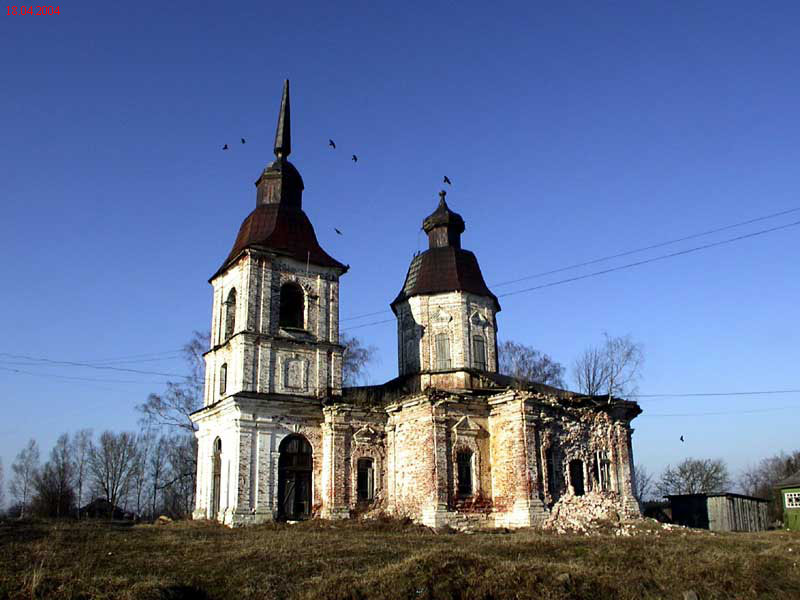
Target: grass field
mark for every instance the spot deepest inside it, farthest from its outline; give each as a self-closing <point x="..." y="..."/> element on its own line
<point x="386" y="559"/>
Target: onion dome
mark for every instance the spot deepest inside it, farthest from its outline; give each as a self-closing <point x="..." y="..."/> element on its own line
<point x="445" y="266"/>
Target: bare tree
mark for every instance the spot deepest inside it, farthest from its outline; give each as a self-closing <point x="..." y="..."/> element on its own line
<point x="2" y="487"/>
<point x="174" y="407"/>
<point x="55" y="496"/>
<point x="695" y="476"/>
<point x="144" y="444"/>
<point x="526" y="364"/>
<point x="157" y="465"/>
<point x="179" y="486"/>
<point x="355" y="359"/>
<point x="111" y="464"/>
<point x="24" y="469"/>
<point x="80" y="449"/>
<point x="759" y="480"/>
<point x="613" y="368"/>
<point x="642" y="483"/>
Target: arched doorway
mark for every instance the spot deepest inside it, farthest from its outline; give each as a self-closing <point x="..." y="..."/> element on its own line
<point x="294" y="478"/>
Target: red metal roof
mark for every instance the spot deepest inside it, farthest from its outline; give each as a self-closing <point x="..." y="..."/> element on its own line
<point x="445" y="269"/>
<point x="283" y="229"/>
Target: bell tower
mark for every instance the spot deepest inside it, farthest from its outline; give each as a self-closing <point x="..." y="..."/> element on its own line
<point x="275" y="349"/>
<point x="446" y="315"/>
<point x="275" y="316"/>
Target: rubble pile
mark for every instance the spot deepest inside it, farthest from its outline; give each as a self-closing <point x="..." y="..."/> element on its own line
<point x="597" y="514"/>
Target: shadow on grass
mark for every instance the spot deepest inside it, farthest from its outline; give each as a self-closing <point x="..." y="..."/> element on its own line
<point x="182" y="592"/>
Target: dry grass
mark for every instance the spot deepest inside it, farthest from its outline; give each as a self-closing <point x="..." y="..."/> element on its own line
<point x="348" y="560"/>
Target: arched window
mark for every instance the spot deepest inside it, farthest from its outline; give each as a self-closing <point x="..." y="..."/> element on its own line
<point x="479" y="352"/>
<point x="576" y="476"/>
<point x="230" y="314"/>
<point x="365" y="480"/>
<point x="292" y="308"/>
<point x="442" y="351"/>
<point x="223" y="378"/>
<point x="464" y="461"/>
<point x="216" y="469"/>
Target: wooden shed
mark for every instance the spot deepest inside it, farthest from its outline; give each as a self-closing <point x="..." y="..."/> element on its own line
<point x="790" y="500"/>
<point x="719" y="512"/>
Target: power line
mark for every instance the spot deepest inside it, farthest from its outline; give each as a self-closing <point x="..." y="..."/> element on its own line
<point x="53" y="376"/>
<point x="368" y="325"/>
<point x="372" y="314"/>
<point x="702" y="394"/>
<point x="621" y="254"/>
<point x="620" y="267"/>
<point x="651" y="260"/>
<point x="721" y="413"/>
<point x="90" y="366"/>
<point x="30" y="363"/>
<point x="644" y="248"/>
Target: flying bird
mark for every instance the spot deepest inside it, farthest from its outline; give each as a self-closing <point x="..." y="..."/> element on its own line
<point x="243" y="141"/>
<point x="337" y="231"/>
<point x="355" y="158"/>
<point x="682" y="439"/>
<point x="447" y="180"/>
<point x="225" y="147"/>
<point x="331" y="144"/>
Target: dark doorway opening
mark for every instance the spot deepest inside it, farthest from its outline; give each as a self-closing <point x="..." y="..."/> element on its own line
<point x="576" y="476"/>
<point x="294" y="478"/>
<point x="365" y="480"/>
<point x="554" y="474"/>
<point x="464" y="461"/>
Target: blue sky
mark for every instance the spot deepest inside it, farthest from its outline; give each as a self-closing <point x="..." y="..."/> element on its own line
<point x="571" y="131"/>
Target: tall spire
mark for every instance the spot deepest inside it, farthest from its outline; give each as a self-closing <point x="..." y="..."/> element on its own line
<point x="280" y="183"/>
<point x="283" y="135"/>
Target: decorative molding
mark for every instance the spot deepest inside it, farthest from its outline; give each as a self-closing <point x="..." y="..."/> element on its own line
<point x="466" y="428"/>
<point x="365" y="435"/>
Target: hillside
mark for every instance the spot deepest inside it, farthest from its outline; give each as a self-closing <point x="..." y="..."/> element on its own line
<point x="349" y="560"/>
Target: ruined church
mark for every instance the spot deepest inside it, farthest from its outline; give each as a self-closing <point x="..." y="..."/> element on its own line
<point x="449" y="441"/>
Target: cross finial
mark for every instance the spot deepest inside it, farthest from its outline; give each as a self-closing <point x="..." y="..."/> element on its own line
<point x="442" y="194"/>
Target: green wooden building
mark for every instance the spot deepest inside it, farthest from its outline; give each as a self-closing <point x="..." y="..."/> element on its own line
<point x="790" y="498"/>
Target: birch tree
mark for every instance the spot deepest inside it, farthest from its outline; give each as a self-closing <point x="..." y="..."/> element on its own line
<point x="81" y="449"/>
<point x="24" y="469"/>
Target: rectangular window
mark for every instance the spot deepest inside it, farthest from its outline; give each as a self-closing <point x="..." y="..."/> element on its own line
<point x="792" y="499"/>
<point x="464" y="473"/>
<point x="603" y="470"/>
<point x="223" y="378"/>
<point x="479" y="353"/>
<point x="442" y="351"/>
<point x="365" y="483"/>
<point x="550" y="465"/>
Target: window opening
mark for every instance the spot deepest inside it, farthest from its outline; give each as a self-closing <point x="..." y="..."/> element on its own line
<point x="576" y="476"/>
<point x="223" y="378"/>
<point x="365" y="480"/>
<point x="442" y="351"/>
<point x="479" y="352"/>
<point x="292" y="307"/>
<point x="464" y="460"/>
<point x="230" y="314"/>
